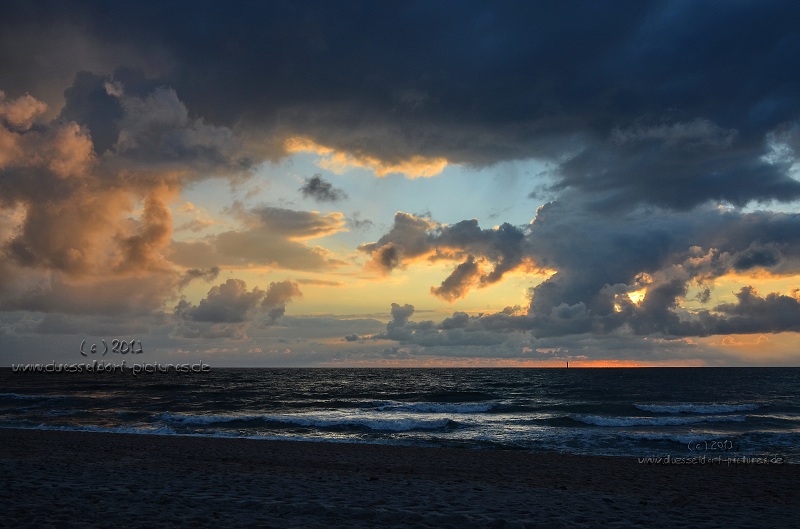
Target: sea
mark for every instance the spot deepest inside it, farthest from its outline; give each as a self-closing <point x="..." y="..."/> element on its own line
<point x="634" y="412"/>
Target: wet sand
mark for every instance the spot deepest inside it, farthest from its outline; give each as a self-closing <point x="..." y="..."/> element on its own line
<point x="88" y="479"/>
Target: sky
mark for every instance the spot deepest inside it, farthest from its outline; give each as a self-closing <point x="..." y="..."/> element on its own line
<point x="421" y="183"/>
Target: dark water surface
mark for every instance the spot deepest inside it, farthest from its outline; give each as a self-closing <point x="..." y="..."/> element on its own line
<point x="632" y="412"/>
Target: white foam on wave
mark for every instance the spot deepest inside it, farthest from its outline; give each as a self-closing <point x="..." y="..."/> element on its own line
<point x="597" y="420"/>
<point x="689" y="407"/>
<point x="789" y="417"/>
<point x="685" y="440"/>
<point x="314" y="421"/>
<point x="205" y="419"/>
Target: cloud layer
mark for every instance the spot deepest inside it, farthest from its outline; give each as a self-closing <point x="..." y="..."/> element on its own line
<point x="669" y="130"/>
<point x="229" y="308"/>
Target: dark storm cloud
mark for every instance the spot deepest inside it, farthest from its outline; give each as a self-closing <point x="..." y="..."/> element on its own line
<point x="599" y="260"/>
<point x="413" y="237"/>
<point x="408" y="238"/>
<point x="753" y="313"/>
<point x="678" y="165"/>
<point x="400" y="328"/>
<point x="428" y="334"/>
<point x="89" y="103"/>
<point x="458" y="283"/>
<point x="500" y="246"/>
<point x="320" y="190"/>
<point x="757" y="256"/>
<point x="663" y="102"/>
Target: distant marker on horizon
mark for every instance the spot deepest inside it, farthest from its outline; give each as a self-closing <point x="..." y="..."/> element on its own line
<point x="567" y="364"/>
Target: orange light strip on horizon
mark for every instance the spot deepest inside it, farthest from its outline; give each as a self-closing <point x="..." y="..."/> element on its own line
<point x="513" y="362"/>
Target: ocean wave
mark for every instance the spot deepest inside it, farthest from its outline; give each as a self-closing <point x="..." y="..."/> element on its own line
<point x="685" y="440"/>
<point x="162" y="430"/>
<point x="596" y="420"/>
<point x="774" y="439"/>
<point x="336" y="403"/>
<point x="371" y="423"/>
<point x="791" y="418"/>
<point x="688" y="407"/>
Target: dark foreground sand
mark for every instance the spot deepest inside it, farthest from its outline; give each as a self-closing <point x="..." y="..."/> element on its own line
<point x="82" y="479"/>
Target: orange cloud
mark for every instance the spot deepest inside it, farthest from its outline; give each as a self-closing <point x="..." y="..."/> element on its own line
<point x="63" y="150"/>
<point x="272" y="236"/>
<point x="742" y="341"/>
<point x="338" y="161"/>
<point x="143" y="250"/>
<point x="67" y="214"/>
<point x="198" y="221"/>
<point x="22" y="112"/>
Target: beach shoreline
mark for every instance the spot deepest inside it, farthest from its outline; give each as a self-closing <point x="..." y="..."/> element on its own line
<point x="92" y="479"/>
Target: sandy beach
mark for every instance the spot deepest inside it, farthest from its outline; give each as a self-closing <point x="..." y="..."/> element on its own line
<point x="86" y="479"/>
